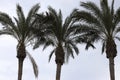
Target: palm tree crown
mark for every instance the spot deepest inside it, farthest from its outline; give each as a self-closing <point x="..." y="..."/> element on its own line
<point x="58" y="33"/>
<point x="102" y="22"/>
<point x="61" y="35"/>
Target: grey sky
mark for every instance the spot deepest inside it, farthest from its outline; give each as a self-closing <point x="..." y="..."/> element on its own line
<point x="89" y="65"/>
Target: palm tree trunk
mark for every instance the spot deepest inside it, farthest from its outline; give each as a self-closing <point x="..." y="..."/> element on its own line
<point x="111" y="67"/>
<point x="20" y="68"/>
<point x="21" y="54"/>
<point x="58" y="71"/>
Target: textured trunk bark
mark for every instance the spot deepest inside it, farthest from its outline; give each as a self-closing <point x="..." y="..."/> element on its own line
<point x="21" y="54"/>
<point x="59" y="59"/>
<point x="111" y="67"/>
<point x="58" y="71"/>
<point x="20" y="68"/>
<point x="111" y="52"/>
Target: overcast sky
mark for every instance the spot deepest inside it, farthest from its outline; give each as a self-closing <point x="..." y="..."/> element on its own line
<point x="89" y="65"/>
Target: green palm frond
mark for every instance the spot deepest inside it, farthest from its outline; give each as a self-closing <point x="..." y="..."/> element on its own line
<point x="56" y="24"/>
<point x="87" y="17"/>
<point x="70" y="32"/>
<point x="33" y="11"/>
<point x="60" y="17"/>
<point x="117" y="17"/>
<point x="6" y="20"/>
<point x="104" y="6"/>
<point x="68" y="28"/>
<point x="52" y="52"/>
<point x="7" y="32"/>
<point x="89" y="45"/>
<point x="9" y="25"/>
<point x="118" y="38"/>
<point x="69" y="52"/>
<point x="35" y="67"/>
<point x="103" y="47"/>
<point x="107" y="16"/>
<point x="93" y="8"/>
<point x="85" y="28"/>
<point x="75" y="48"/>
<point x="118" y="30"/>
<point x="112" y="7"/>
<point x="20" y="14"/>
<point x="48" y="43"/>
<point x="38" y="42"/>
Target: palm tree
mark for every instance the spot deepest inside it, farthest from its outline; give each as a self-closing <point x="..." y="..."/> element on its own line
<point x="59" y="34"/>
<point x="101" y="24"/>
<point x="21" y="31"/>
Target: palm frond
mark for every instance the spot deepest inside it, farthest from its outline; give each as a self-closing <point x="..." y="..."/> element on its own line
<point x="89" y="45"/>
<point x="21" y="22"/>
<point x="117" y="17"/>
<point x="118" y="38"/>
<point x="74" y="46"/>
<point x="38" y="42"/>
<point x="87" y="17"/>
<point x="60" y="17"/>
<point x="112" y="8"/>
<point x="7" y="32"/>
<point x="33" y="11"/>
<point x="93" y="8"/>
<point x="6" y="20"/>
<point x="68" y="25"/>
<point x="70" y="32"/>
<point x="107" y="17"/>
<point x="20" y="14"/>
<point x="35" y="67"/>
<point x="69" y="50"/>
<point x="9" y="25"/>
<point x="48" y="43"/>
<point x="50" y="56"/>
<point x="103" y="47"/>
<point x="56" y="24"/>
<point x="104" y="6"/>
<point x="84" y="28"/>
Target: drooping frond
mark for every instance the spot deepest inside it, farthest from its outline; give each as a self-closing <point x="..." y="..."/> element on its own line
<point x="92" y="8"/>
<point x="87" y="17"/>
<point x="117" y="17"/>
<point x="68" y="28"/>
<point x="49" y="42"/>
<point x="103" y="46"/>
<point x="9" y="25"/>
<point x="6" y="20"/>
<point x="50" y="56"/>
<point x="35" y="67"/>
<point x="69" y="52"/>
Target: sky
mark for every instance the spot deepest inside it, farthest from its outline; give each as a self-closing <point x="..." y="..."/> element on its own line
<point x="88" y="65"/>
